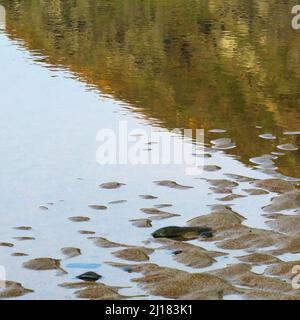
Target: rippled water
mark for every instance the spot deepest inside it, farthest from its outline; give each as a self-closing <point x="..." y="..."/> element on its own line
<point x="70" y="68"/>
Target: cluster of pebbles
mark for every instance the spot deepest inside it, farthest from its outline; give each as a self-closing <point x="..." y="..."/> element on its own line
<point x="190" y="244"/>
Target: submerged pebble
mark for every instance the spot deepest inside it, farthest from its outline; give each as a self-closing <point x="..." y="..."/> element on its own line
<point x="111" y="185"/>
<point x="23" y="228"/>
<point x="6" y="244"/>
<point x="42" y="264"/>
<point x="172" y="185"/>
<point x="159" y="214"/>
<point x="142" y="223"/>
<point x="86" y="232"/>
<point x="90" y="276"/>
<point x="71" y="252"/>
<point x="97" y="207"/>
<point x="183" y="233"/>
<point x="211" y="168"/>
<point x="24" y="238"/>
<point x="79" y="219"/>
<point x="19" y="254"/>
<point x="118" y="202"/>
<point x="148" y="197"/>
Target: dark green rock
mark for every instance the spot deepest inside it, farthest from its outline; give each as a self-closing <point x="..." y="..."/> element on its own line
<point x="90" y="276"/>
<point x="183" y="233"/>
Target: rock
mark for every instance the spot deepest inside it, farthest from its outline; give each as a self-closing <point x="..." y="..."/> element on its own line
<point x="71" y="252"/>
<point x="148" y="197"/>
<point x="163" y="205"/>
<point x="23" y="228"/>
<point x="286" y="201"/>
<point x="13" y="290"/>
<point x="275" y="185"/>
<point x="111" y="185"/>
<point x="86" y="232"/>
<point x="43" y="208"/>
<point x="97" y="207"/>
<point x="19" y="254"/>
<point x="142" y="223"/>
<point x="24" y="238"/>
<point x="79" y="219"/>
<point x="159" y="214"/>
<point x="134" y="254"/>
<point x="172" y="185"/>
<point x="90" y="276"/>
<point x="211" y="168"/>
<point x="41" y="264"/>
<point x="183" y="233"/>
<point x="118" y="202"/>
<point x="6" y="244"/>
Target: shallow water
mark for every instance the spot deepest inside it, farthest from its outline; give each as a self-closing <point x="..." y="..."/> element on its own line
<point x="69" y="69"/>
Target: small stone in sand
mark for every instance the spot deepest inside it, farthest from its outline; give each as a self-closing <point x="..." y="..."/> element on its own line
<point x="23" y="228"/>
<point x="42" y="264"/>
<point x="148" y="197"/>
<point x="71" y="252"/>
<point x="6" y="244"/>
<point x="86" y="232"/>
<point x="211" y="168"/>
<point x="183" y="233"/>
<point x="90" y="276"/>
<point x="172" y="185"/>
<point x="43" y="208"/>
<point x="79" y="219"/>
<point x="142" y="223"/>
<point x="97" y="207"/>
<point x="118" y="202"/>
<point x="24" y="238"/>
<point x="19" y="254"/>
<point x="111" y="185"/>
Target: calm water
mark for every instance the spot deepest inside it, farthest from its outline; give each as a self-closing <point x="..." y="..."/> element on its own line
<point x="232" y="65"/>
<point x="70" y="68"/>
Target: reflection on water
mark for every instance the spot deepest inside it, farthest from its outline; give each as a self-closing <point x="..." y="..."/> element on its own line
<point x="209" y="64"/>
